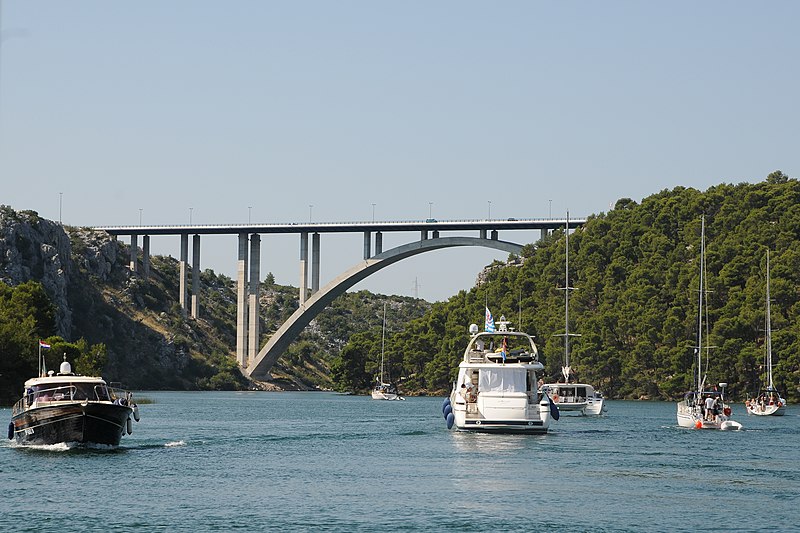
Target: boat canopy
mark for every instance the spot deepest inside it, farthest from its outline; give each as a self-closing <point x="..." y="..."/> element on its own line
<point x="502" y="379"/>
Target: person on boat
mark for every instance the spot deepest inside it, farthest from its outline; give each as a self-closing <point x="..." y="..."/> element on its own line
<point x="710" y="408"/>
<point x="471" y="391"/>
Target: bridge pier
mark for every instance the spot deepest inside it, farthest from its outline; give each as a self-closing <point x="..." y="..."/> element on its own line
<point x="367" y="245"/>
<point x="378" y="242"/>
<point x="254" y="305"/>
<point x="241" y="302"/>
<point x="146" y="256"/>
<point x="314" y="263"/>
<point x="195" y="276"/>
<point x="183" y="297"/>
<point x="134" y="251"/>
<point x="303" y="268"/>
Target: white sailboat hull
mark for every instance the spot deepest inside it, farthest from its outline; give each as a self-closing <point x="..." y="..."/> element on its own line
<point x="380" y="395"/>
<point x="690" y="416"/>
<point x="778" y="409"/>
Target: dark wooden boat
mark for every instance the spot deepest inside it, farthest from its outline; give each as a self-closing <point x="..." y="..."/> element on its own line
<point x="69" y="408"/>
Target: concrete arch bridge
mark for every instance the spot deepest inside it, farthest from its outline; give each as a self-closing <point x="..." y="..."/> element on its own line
<point x="257" y="363"/>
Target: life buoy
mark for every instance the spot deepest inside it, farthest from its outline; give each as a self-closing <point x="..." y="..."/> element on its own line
<point x="555" y="398"/>
<point x="727" y="411"/>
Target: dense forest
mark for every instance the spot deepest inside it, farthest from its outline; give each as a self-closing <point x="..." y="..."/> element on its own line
<point x="636" y="272"/>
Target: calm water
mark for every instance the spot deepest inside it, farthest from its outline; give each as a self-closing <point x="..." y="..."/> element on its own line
<point x="325" y="462"/>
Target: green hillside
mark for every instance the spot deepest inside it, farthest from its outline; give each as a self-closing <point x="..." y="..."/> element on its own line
<point x="636" y="271"/>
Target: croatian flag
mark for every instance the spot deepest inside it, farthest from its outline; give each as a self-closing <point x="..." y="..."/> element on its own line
<point x="489" y="322"/>
<point x="43" y="344"/>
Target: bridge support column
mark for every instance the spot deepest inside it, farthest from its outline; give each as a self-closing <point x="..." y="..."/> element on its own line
<point x="435" y="233"/>
<point x="184" y="299"/>
<point x="303" y="268"/>
<point x="134" y="251"/>
<point x="483" y="234"/>
<point x="494" y="234"/>
<point x="146" y="256"/>
<point x="314" y="263"/>
<point x="378" y="242"/>
<point x="423" y="236"/>
<point x="367" y="245"/>
<point x="254" y="306"/>
<point x="544" y="233"/>
<point x="241" y="302"/>
<point x="196" y="276"/>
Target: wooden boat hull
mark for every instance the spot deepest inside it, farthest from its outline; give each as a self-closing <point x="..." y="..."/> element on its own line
<point x="78" y="422"/>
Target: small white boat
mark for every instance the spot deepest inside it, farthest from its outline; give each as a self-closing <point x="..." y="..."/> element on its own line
<point x="768" y="401"/>
<point x="572" y="398"/>
<point x="576" y="398"/>
<point x="385" y="391"/>
<point x="382" y="389"/>
<point x="496" y="386"/>
<point x="704" y="409"/>
<point x="68" y="408"/>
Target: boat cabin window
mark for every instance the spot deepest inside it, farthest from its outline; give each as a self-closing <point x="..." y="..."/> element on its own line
<point x="57" y="392"/>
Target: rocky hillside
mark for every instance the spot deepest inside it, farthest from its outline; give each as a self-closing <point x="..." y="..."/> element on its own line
<point x="150" y="345"/>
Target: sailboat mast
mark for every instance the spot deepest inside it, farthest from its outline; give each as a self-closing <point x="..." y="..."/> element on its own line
<point x="383" y="339"/>
<point x="701" y="293"/>
<point x="566" y="298"/>
<point x="769" y="332"/>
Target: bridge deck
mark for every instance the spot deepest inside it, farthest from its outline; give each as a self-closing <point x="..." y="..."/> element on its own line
<point x="346" y="227"/>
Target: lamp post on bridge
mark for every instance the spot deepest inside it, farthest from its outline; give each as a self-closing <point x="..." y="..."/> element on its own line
<point x="140" y="216"/>
<point x="430" y="209"/>
<point x="190" y="215"/>
<point x="310" y="208"/>
<point x="249" y="209"/>
<point x="373" y="213"/>
<point x="490" y="209"/>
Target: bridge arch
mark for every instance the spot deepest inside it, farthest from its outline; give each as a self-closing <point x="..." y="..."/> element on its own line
<point x="290" y="329"/>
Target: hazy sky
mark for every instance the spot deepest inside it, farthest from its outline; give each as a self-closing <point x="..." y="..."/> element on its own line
<point x="159" y="108"/>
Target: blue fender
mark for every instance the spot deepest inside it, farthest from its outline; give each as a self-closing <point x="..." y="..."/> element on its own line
<point x="445" y="403"/>
<point x="553" y="409"/>
<point x="10" y="430"/>
<point x="450" y="419"/>
<point x="448" y="410"/>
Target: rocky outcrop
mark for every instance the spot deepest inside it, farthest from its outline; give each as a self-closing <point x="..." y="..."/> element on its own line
<point x="33" y="248"/>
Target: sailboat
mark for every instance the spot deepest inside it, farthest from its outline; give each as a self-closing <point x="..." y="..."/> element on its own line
<point x="382" y="389"/>
<point x="704" y="409"/>
<point x="572" y="398"/>
<point x="768" y="401"/>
